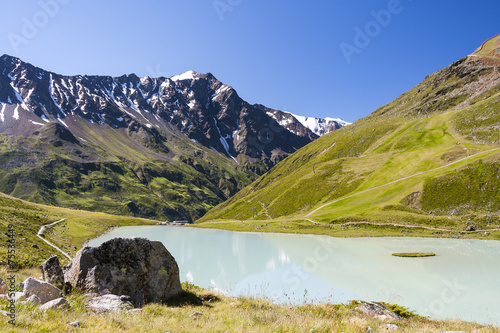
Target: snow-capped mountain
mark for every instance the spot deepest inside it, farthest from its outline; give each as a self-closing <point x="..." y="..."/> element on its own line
<point x="154" y="147"/>
<point x="198" y="105"/>
<point x="297" y="124"/>
<point x="321" y="126"/>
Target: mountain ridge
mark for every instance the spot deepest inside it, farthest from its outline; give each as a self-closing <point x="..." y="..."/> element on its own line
<point x="195" y="108"/>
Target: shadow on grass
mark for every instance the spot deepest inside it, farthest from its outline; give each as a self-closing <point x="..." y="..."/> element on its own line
<point x="190" y="298"/>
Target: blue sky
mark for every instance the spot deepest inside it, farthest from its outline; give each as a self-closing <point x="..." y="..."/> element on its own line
<point x="337" y="58"/>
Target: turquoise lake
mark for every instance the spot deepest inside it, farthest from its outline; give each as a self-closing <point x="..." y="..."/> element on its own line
<point x="461" y="281"/>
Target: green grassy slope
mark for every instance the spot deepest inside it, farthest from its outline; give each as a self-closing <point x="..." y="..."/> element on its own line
<point x="409" y="161"/>
<point x="69" y="235"/>
<point x="490" y="49"/>
<point x="117" y="172"/>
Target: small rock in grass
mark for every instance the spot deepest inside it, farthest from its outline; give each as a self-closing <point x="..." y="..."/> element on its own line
<point x="59" y="303"/>
<point x="108" y="303"/>
<point x="196" y="315"/>
<point x="34" y="299"/>
<point x="377" y="310"/>
<point x="390" y="327"/>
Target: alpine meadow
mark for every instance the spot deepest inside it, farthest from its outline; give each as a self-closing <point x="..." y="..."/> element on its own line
<point x="264" y="166"/>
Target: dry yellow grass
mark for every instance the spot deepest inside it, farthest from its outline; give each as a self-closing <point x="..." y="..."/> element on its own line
<point x="217" y="313"/>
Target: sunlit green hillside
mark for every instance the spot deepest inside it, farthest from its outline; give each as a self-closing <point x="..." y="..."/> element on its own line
<point x="430" y="158"/>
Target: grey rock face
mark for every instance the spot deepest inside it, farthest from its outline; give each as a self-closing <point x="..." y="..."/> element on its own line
<point x="52" y="272"/>
<point x="377" y="310"/>
<point x="44" y="290"/>
<point x="58" y="303"/>
<point x="109" y="303"/>
<point x="3" y="287"/>
<point x="137" y="267"/>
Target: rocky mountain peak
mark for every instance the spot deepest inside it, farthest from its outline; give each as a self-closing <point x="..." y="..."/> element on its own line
<point x="198" y="105"/>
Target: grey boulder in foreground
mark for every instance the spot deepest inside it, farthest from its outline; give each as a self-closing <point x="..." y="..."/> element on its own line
<point x="136" y="267"/>
<point x="45" y="291"/>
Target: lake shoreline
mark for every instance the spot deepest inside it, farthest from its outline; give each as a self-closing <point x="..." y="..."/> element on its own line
<point x="337" y="231"/>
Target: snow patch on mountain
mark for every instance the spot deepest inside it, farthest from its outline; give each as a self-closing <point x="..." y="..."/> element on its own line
<point x="62" y="122"/>
<point x="36" y="123"/>
<point x="320" y="126"/>
<point x="51" y="94"/>
<point x="16" y="91"/>
<point x="192" y="104"/>
<point x="223" y="141"/>
<point x="2" y="113"/>
<point x="16" y="113"/>
<point x="189" y="75"/>
<point x="338" y="120"/>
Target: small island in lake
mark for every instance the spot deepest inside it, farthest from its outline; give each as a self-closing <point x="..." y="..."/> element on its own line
<point x="414" y="254"/>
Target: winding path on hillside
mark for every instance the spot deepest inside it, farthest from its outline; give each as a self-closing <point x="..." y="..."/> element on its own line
<point x="44" y="228"/>
<point x="404" y="178"/>
<point x="372" y="223"/>
<point x="398" y="225"/>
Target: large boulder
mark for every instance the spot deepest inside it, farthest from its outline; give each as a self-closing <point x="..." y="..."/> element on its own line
<point x="137" y="267"/>
<point x="52" y="272"/>
<point x="44" y="290"/>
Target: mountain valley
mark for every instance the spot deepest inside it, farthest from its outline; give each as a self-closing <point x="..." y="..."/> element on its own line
<point x="163" y="148"/>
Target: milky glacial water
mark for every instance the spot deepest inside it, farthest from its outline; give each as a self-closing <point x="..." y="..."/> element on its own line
<point x="462" y="281"/>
